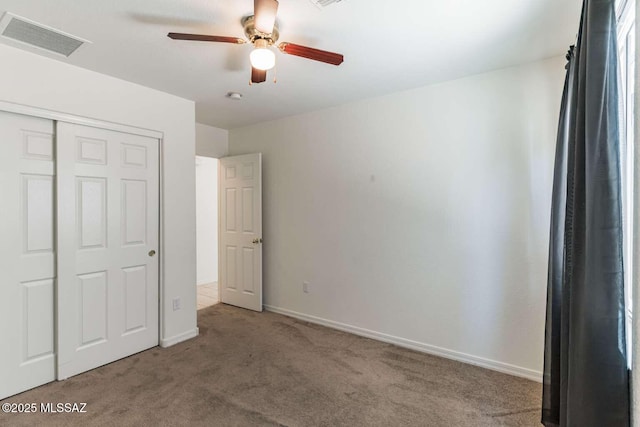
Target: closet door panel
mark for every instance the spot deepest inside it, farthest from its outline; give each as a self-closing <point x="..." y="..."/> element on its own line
<point x="108" y="206"/>
<point x="27" y="252"/>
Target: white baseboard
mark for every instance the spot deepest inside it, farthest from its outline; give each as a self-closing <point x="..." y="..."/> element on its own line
<point x="168" y="342"/>
<point x="415" y="345"/>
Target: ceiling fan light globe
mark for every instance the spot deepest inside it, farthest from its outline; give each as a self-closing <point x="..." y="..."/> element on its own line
<point x="262" y="58"/>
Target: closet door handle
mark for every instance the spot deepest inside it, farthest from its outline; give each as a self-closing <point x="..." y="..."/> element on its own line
<point x="152" y="252"/>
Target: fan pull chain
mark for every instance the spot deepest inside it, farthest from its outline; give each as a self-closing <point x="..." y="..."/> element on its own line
<point x="275" y="74"/>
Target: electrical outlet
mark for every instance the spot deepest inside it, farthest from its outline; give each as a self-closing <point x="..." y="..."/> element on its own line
<point x="305" y="287"/>
<point x="176" y="304"/>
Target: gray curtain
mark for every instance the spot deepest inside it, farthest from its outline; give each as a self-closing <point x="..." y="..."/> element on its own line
<point x="586" y="381"/>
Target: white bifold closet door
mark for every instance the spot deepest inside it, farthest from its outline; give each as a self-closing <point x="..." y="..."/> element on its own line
<point x="27" y="253"/>
<point x="108" y="217"/>
<point x="79" y="218"/>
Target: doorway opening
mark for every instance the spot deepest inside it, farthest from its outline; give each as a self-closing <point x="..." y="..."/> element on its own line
<point x="207" y="231"/>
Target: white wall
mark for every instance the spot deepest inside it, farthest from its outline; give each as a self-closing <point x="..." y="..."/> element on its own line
<point x="33" y="80"/>
<point x="421" y="217"/>
<point x="206" y="220"/>
<point x="211" y="141"/>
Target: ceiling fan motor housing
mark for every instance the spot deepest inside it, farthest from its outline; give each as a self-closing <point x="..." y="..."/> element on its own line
<point x="253" y="34"/>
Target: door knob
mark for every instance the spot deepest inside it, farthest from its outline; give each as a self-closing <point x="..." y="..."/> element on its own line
<point x="152" y="252"/>
<point x="256" y="241"/>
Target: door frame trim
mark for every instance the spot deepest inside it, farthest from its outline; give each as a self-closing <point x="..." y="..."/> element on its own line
<point x="27" y="110"/>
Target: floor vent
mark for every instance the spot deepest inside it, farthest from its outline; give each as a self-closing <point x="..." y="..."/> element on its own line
<point x="25" y="31"/>
<point x="324" y="3"/>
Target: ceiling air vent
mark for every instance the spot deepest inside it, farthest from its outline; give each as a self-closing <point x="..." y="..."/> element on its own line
<point x="324" y="3"/>
<point x="31" y="33"/>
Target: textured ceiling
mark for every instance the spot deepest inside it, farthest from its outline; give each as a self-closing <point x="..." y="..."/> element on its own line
<point x="388" y="46"/>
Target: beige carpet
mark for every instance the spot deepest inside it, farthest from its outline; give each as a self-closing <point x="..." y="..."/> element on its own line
<point x="249" y="369"/>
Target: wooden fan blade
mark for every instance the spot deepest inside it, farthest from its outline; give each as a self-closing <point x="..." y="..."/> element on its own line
<point x="265" y="15"/>
<point x="258" y="76"/>
<point x="205" y="38"/>
<point x="311" y="53"/>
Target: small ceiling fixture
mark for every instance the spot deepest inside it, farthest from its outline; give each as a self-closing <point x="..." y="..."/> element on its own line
<point x="234" y="96"/>
<point x="262" y="31"/>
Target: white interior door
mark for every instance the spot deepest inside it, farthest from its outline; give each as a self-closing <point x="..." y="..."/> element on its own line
<point x="27" y="253"/>
<point x="240" y="252"/>
<point x="108" y="209"/>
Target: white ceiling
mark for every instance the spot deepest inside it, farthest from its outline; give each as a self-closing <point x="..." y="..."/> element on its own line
<point x="388" y="46"/>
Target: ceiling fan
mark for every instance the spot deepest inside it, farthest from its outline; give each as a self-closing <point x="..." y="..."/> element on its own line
<point x="261" y="30"/>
